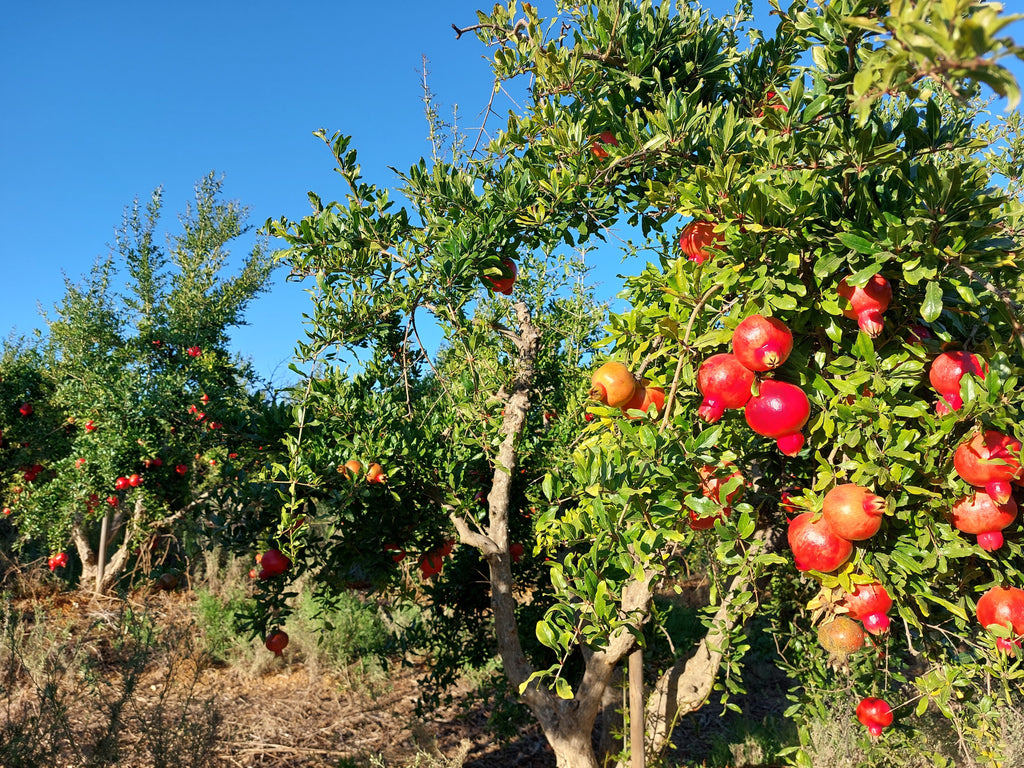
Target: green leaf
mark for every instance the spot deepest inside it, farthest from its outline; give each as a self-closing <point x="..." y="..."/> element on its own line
<point x="932" y="306"/>
<point x="563" y="689"/>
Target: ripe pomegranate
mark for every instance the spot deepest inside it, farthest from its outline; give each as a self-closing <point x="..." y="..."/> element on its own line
<point x="26" y="409"/>
<point x="779" y="410"/>
<point x="990" y="460"/>
<point x="604" y="137"/>
<point x="874" y="714"/>
<point x="815" y="546"/>
<point x="396" y="552"/>
<point x="868" y="603"/>
<point x="853" y="512"/>
<point x="431" y="563"/>
<point x="644" y="398"/>
<point x="135" y="480"/>
<point x="697" y="240"/>
<point x="351" y="468"/>
<point x="867" y="304"/>
<point x="516" y="551"/>
<point x="375" y="474"/>
<point x="504" y="284"/>
<point x="612" y="384"/>
<point x="840" y="636"/>
<point x="1003" y="606"/>
<point x="945" y="373"/>
<point x="712" y="480"/>
<point x="121" y="483"/>
<point x="979" y="514"/>
<point x="274" y="563"/>
<point x="725" y="383"/>
<point x="762" y="343"/>
<point x="277" y="641"/>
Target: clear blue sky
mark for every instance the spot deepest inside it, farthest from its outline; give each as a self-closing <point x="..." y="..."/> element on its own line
<point x="105" y="101"/>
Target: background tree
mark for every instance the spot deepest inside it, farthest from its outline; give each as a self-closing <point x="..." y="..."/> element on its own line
<point x="139" y="412"/>
<point x="833" y="153"/>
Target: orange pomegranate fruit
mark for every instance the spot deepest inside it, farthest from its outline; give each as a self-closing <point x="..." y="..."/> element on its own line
<point x="612" y="384"/>
<point x="815" y="546"/>
<point x="840" y="636"/>
<point x="853" y="512"/>
<point x="990" y="460"/>
<point x="869" y="604"/>
<point x="982" y="516"/>
<point x="698" y="239"/>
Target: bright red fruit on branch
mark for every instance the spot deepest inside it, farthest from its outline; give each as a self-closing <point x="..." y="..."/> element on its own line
<point x="121" y="483"/>
<point x="135" y="480"/>
<point x="612" y="384"/>
<point x="869" y="604"/>
<point x="989" y="460"/>
<point x="604" y="137"/>
<point x="725" y="383"/>
<point x="194" y="351"/>
<point x="762" y="343"/>
<point x="853" y="512"/>
<point x="815" y="546"/>
<point x="867" y="304"/>
<point x="840" y="636"/>
<point x="274" y="563"/>
<point x="504" y="284"/>
<point x="697" y="240"/>
<point x="181" y="469"/>
<point x="89" y="426"/>
<point x="1002" y="606"/>
<point x="431" y="563"/>
<point x="779" y="410"/>
<point x="874" y="714"/>
<point x="26" y="409"/>
<point x="981" y="515"/>
<point x="945" y="373"/>
<point x="59" y="560"/>
<point x="277" y="641"/>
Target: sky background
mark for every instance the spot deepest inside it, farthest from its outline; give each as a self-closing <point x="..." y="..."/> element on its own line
<point x="105" y="101"/>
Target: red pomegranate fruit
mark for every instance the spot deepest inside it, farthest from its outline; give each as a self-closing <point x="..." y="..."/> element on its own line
<point x="698" y="239"/>
<point x="840" y="636"/>
<point x="725" y="383"/>
<point x="945" y="373"/>
<point x="989" y="460"/>
<point x="274" y="563"/>
<point x="980" y="515"/>
<point x="779" y="410"/>
<point x="762" y="343"/>
<point x="867" y="304"/>
<point x="277" y="641"/>
<point x="853" y="512"/>
<point x="874" y="714"/>
<point x="712" y="481"/>
<point x="1003" y="606"/>
<point x="612" y="384"/>
<point x="815" y="546"/>
<point x="869" y="604"/>
<point x="504" y="283"/>
<point x="644" y="398"/>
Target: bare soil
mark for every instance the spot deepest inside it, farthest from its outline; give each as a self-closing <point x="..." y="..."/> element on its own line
<point x="281" y="713"/>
